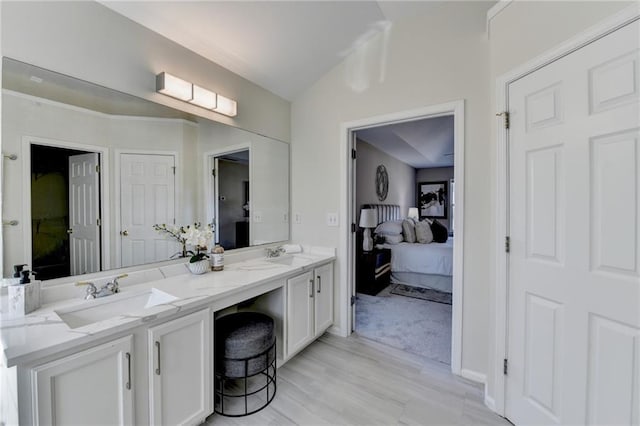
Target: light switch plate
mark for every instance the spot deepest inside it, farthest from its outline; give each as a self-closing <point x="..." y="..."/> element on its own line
<point x="332" y="219"/>
<point x="297" y="218"/>
<point x="257" y="217"/>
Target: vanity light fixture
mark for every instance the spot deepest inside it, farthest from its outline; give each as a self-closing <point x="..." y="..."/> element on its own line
<point x="203" y="98"/>
<point x="175" y="87"/>
<point x="226" y="106"/>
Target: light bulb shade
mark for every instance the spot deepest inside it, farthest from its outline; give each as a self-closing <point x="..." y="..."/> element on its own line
<point x="226" y="106"/>
<point x="173" y="86"/>
<point x="368" y="218"/>
<point x="413" y="213"/>
<point x="203" y="97"/>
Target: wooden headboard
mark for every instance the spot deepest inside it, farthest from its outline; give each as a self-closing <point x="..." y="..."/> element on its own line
<point x="386" y="212"/>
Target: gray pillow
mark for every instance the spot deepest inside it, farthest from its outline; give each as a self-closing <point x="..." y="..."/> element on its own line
<point x="393" y="239"/>
<point x="409" y="231"/>
<point x="423" y="233"/>
<point x="392" y="227"/>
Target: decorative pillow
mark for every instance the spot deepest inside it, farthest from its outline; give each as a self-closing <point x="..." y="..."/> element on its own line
<point x="409" y="230"/>
<point x="423" y="233"/>
<point x="393" y="239"/>
<point x="392" y="227"/>
<point x="440" y="232"/>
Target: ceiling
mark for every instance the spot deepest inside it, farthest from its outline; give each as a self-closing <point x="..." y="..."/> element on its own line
<point x="422" y="143"/>
<point x="283" y="46"/>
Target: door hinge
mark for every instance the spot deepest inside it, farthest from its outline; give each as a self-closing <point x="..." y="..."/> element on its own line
<point x="213" y="172"/>
<point x="353" y="227"/>
<point x="353" y="300"/>
<point x="99" y="222"/>
<point x="505" y="365"/>
<point x="507" y="244"/>
<point x="97" y="168"/>
<point x="353" y="154"/>
<point x="174" y="169"/>
<point x="505" y="116"/>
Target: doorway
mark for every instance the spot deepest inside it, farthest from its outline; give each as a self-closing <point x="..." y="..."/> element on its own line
<point x="349" y="243"/>
<point x="65" y="198"/>
<point x="404" y="283"/>
<point x="229" y="198"/>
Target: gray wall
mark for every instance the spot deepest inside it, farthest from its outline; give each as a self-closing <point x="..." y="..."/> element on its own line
<point x="436" y="174"/>
<point x="402" y="178"/>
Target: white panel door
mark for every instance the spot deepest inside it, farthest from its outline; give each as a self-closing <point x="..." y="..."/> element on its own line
<point x="300" y="304"/>
<point x="147" y="194"/>
<point x="180" y="370"/>
<point x="323" y="312"/>
<point x="91" y="387"/>
<point x="574" y="270"/>
<point x="84" y="213"/>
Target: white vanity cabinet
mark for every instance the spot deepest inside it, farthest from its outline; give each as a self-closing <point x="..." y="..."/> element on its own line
<point x="309" y="306"/>
<point x="61" y="387"/>
<point x="181" y="370"/>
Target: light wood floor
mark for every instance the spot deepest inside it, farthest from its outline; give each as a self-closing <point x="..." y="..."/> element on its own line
<point x="355" y="381"/>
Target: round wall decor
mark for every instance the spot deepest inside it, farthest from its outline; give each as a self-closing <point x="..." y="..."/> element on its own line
<point x="382" y="183"/>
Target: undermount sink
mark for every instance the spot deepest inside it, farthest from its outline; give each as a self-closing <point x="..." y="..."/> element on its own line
<point x="112" y="306"/>
<point x="291" y="260"/>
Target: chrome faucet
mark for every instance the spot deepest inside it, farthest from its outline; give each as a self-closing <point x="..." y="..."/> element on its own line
<point x="274" y="252"/>
<point x="112" y="287"/>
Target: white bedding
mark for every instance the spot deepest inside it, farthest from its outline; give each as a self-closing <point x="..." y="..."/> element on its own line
<point x="434" y="258"/>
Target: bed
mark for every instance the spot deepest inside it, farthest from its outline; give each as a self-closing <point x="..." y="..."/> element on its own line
<point x="419" y="265"/>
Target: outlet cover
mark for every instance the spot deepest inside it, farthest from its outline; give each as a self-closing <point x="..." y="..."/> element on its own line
<point x="332" y="219"/>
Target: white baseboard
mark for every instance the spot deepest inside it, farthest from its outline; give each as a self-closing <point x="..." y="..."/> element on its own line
<point x="338" y="331"/>
<point x="489" y="401"/>
<point x="474" y="376"/>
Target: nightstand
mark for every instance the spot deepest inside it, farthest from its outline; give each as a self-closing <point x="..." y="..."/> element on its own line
<point x="373" y="271"/>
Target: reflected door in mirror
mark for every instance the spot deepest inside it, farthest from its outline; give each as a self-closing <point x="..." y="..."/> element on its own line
<point x="147" y="197"/>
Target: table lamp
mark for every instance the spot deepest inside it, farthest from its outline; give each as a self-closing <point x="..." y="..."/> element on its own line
<point x="368" y="220"/>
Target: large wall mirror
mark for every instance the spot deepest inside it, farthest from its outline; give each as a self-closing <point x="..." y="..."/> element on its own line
<point x="97" y="168"/>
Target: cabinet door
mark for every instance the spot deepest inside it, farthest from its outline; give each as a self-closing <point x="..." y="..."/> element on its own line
<point x="324" y="298"/>
<point x="180" y="370"/>
<point x="91" y="387"/>
<point x="300" y="301"/>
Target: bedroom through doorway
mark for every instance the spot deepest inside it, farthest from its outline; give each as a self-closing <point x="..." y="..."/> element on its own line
<point x="404" y="203"/>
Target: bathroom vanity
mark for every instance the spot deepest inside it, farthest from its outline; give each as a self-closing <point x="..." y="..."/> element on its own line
<point x="145" y="355"/>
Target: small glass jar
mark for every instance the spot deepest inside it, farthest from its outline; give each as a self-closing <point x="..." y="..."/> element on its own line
<point x="217" y="258"/>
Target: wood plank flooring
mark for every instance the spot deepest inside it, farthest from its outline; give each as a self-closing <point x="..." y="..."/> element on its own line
<point x="355" y="381"/>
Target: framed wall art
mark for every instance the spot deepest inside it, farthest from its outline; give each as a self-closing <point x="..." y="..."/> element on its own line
<point x="433" y="199"/>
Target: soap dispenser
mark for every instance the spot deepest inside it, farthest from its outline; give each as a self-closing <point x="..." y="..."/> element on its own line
<point x="24" y="297"/>
<point x="17" y="274"/>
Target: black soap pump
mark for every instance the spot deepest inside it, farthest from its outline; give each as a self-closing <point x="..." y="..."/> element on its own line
<point x="17" y="270"/>
<point x="25" y="277"/>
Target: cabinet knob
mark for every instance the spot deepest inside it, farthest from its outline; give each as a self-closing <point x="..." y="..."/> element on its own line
<point x="311" y="287"/>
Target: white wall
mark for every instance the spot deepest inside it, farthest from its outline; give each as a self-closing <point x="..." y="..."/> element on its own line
<point x="402" y="178"/>
<point x="436" y="174"/>
<point x="433" y="59"/>
<point x="518" y="34"/>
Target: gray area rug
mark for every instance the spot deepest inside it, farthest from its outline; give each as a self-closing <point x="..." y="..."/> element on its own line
<point x="421" y="293"/>
<point x="413" y="325"/>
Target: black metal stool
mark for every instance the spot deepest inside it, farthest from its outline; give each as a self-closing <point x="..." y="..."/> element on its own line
<point x="245" y="353"/>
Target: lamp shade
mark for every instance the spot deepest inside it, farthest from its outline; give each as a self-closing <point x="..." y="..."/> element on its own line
<point x="413" y="213"/>
<point x="368" y="218"/>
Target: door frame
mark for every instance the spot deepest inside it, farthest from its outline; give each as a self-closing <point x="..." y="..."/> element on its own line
<point x="105" y="228"/>
<point x="588" y="36"/>
<point x="348" y="211"/>
<point x="118" y="181"/>
<point x="209" y="186"/>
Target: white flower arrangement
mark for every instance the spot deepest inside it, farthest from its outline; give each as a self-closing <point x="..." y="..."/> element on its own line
<point x="193" y="235"/>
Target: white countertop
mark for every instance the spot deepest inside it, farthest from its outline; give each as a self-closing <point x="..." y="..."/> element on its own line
<point x="43" y="333"/>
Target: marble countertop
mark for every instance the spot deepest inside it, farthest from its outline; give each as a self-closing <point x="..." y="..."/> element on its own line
<point x="43" y="333"/>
